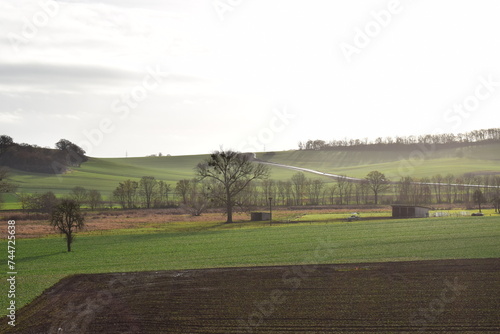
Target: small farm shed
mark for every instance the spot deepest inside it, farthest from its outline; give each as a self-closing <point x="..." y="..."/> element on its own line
<point x="260" y="216"/>
<point x="409" y="211"/>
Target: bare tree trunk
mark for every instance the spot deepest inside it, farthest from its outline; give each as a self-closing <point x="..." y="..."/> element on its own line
<point x="229" y="207"/>
<point x="229" y="213"/>
<point x="69" y="239"/>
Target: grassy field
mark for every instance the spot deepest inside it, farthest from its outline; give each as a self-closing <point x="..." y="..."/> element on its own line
<point x="42" y="262"/>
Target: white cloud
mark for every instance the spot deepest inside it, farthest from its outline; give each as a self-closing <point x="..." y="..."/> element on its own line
<point x="9" y="118"/>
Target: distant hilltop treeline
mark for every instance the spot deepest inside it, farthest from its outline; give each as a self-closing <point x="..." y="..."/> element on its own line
<point x="448" y="139"/>
<point x="33" y="158"/>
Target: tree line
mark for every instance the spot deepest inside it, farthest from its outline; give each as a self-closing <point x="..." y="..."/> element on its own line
<point x="33" y="158"/>
<point x="197" y="195"/>
<point x="477" y="136"/>
<point x="47" y="201"/>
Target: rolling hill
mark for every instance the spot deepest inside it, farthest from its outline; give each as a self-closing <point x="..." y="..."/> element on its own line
<point x="104" y="174"/>
<point x="413" y="161"/>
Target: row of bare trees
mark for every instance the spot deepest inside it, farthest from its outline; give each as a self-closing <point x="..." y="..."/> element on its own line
<point x="197" y="194"/>
<point x="476" y="136"/>
<point x="448" y="189"/>
<point x="148" y="193"/>
<point x="47" y="201"/>
<point x="373" y="189"/>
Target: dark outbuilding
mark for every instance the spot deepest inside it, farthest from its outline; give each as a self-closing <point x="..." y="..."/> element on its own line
<point x="260" y="216"/>
<point x="409" y="211"/>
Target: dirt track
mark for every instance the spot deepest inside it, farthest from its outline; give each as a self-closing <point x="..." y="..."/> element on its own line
<point x="452" y="296"/>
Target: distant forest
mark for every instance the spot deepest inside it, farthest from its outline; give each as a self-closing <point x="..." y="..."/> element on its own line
<point x="445" y="139"/>
<point x="33" y="158"/>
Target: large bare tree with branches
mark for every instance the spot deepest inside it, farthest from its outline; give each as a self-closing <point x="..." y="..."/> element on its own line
<point x="233" y="171"/>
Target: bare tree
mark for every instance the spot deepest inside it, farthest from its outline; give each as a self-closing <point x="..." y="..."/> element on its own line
<point x="496" y="195"/>
<point x="67" y="219"/>
<point x="164" y="189"/>
<point x="269" y="191"/>
<point x="437" y="183"/>
<point x="126" y="194"/>
<point x="147" y="189"/>
<point x="468" y="180"/>
<point x="331" y="190"/>
<point x="478" y="198"/>
<point x="288" y="191"/>
<point x="45" y="202"/>
<point x="342" y="184"/>
<point x="315" y="190"/>
<point x="359" y="191"/>
<point x="425" y="191"/>
<point x="280" y="191"/>
<point x="94" y="199"/>
<point x="233" y="171"/>
<point x="182" y="189"/>
<point x="299" y="182"/>
<point x="198" y="197"/>
<point x="79" y="194"/>
<point x="348" y="192"/>
<point x="377" y="182"/>
<point x="449" y="178"/>
<point x="496" y="203"/>
<point x="404" y="187"/>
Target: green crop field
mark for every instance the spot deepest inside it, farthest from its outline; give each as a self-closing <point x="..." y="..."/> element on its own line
<point x="42" y="262"/>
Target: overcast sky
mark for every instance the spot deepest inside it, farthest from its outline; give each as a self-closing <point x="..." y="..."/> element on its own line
<point x="190" y="76"/>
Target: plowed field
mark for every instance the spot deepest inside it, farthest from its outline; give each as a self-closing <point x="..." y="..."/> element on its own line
<point x="445" y="296"/>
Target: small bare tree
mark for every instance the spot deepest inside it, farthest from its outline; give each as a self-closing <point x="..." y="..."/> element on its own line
<point x="67" y="219"/>
<point x="79" y="194"/>
<point x="198" y="197"/>
<point x="496" y="203"/>
<point x="94" y="199"/>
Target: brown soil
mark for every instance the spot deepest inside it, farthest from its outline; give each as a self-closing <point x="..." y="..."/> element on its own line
<point x="445" y="296"/>
<point x="36" y="225"/>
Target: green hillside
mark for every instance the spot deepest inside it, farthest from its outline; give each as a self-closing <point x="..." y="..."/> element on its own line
<point x="480" y="159"/>
<point x="104" y="173"/>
